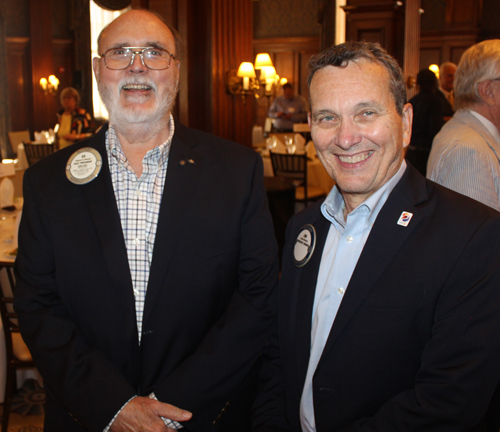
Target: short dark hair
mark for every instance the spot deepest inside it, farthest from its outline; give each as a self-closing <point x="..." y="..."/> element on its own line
<point x="341" y="55"/>
<point x="287" y="86"/>
<point x="427" y="80"/>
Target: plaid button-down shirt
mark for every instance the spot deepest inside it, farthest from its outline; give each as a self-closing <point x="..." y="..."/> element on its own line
<point x="138" y="201"/>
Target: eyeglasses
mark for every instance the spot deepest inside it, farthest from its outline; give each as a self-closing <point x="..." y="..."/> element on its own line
<point x="123" y="57"/>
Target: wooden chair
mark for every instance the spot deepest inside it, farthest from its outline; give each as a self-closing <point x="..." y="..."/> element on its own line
<point x="17" y="353"/>
<point x="35" y="152"/>
<point x="17" y="138"/>
<point x="294" y="166"/>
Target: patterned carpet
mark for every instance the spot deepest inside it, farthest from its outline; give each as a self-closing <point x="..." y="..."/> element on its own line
<point x="27" y="408"/>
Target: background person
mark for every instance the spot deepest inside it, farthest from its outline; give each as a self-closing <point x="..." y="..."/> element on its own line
<point x="428" y="119"/>
<point x="73" y="123"/>
<point x="288" y="109"/>
<point x="465" y="154"/>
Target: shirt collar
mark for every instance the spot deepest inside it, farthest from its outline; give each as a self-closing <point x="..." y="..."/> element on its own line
<point x="492" y="129"/>
<point x="160" y="152"/>
<point x="333" y="206"/>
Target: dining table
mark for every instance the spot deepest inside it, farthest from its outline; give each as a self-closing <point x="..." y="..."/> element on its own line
<point x="9" y="224"/>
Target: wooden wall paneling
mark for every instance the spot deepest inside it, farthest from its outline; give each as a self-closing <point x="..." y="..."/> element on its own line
<point x="463" y="14"/>
<point x="231" y="44"/>
<point x="81" y="52"/>
<point x="42" y="63"/>
<point x="411" y="64"/>
<point x="326" y="17"/>
<point x="63" y="66"/>
<point x="196" y="66"/>
<point x="182" y="106"/>
<point x="442" y="46"/>
<point x="19" y="83"/>
<point x="4" y="86"/>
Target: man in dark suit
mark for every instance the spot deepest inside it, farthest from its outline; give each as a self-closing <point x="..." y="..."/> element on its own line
<point x="147" y="260"/>
<point x="389" y="316"/>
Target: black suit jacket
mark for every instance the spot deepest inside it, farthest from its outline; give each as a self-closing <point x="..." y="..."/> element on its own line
<point x="209" y="304"/>
<point x="415" y="345"/>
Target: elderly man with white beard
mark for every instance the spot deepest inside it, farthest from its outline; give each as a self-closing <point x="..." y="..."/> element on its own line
<point x="147" y="263"/>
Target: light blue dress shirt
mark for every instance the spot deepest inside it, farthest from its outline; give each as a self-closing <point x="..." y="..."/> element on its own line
<point x="343" y="246"/>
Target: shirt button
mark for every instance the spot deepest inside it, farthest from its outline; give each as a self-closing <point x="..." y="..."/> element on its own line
<point x="137" y="241"/>
<point x="136" y="292"/>
<point x="341" y="291"/>
<point x="138" y="191"/>
<point x="349" y="239"/>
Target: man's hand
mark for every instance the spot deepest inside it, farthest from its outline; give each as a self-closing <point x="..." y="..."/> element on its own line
<point x="142" y="414"/>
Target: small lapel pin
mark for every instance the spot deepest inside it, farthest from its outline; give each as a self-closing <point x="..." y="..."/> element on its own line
<point x="405" y="218"/>
<point x="184" y="161"/>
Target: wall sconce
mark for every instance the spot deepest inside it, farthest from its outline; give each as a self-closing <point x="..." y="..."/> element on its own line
<point x="50" y="85"/>
<point x="242" y="82"/>
<point x="245" y="82"/>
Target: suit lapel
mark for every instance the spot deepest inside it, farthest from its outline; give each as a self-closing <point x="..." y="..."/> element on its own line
<point x="385" y="240"/>
<point x="184" y="168"/>
<point x="100" y="199"/>
<point x="306" y="287"/>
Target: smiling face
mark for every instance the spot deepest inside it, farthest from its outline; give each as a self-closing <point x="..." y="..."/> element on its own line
<point x="137" y="94"/>
<point x="358" y="134"/>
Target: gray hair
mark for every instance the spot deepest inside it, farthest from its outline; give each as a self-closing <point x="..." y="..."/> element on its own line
<point x="175" y="33"/>
<point x="479" y="63"/>
<point x="445" y="65"/>
<point x="341" y="55"/>
<point x="70" y="92"/>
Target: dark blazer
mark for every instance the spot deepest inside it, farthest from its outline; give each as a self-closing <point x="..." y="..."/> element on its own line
<point x="415" y="345"/>
<point x="209" y="305"/>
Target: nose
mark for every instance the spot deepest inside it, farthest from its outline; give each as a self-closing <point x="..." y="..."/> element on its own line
<point x="137" y="64"/>
<point x="347" y="134"/>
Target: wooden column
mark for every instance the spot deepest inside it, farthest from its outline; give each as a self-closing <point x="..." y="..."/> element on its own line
<point x="42" y="63"/>
<point x="232" y="34"/>
<point x="412" y="42"/>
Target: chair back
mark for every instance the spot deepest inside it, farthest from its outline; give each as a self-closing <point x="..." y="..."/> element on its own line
<point x="292" y="166"/>
<point x="17" y="138"/>
<point x="9" y="318"/>
<point x="35" y="152"/>
<point x="17" y="353"/>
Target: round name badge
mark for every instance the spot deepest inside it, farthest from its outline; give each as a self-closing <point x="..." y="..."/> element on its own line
<point x="83" y="166"/>
<point x="304" y="245"/>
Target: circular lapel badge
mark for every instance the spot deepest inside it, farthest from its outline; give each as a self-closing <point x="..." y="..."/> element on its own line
<point x="304" y="245"/>
<point x="83" y="166"/>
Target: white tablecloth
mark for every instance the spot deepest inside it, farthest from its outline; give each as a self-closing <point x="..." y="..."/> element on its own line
<point x="7" y="243"/>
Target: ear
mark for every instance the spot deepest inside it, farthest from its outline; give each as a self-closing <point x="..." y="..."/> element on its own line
<point x="95" y="67"/>
<point x="407" y="118"/>
<point x="486" y="92"/>
<point x="309" y="121"/>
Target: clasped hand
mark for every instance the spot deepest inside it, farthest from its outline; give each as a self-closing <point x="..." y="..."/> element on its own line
<point x="143" y="414"/>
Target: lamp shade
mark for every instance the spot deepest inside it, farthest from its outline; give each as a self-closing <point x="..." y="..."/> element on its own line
<point x="267" y="72"/>
<point x="246" y="70"/>
<point x="262" y="59"/>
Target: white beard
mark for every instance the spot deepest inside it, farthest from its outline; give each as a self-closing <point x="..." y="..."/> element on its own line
<point x="120" y="116"/>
